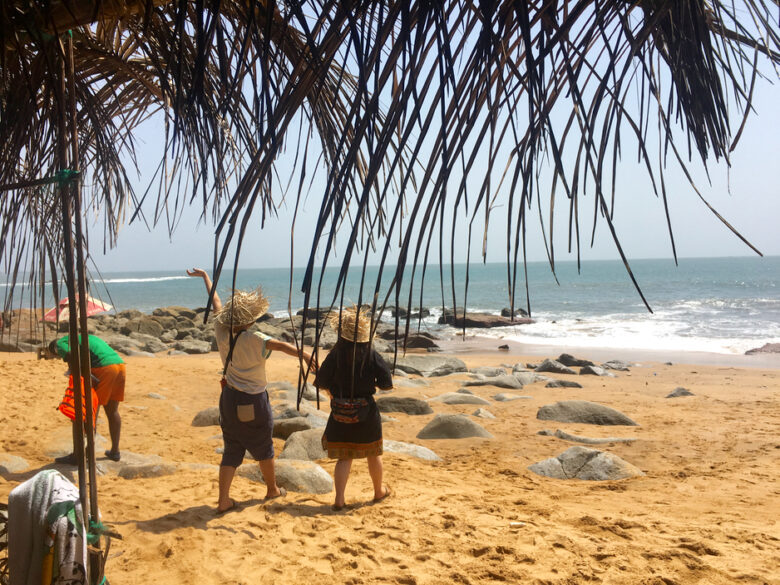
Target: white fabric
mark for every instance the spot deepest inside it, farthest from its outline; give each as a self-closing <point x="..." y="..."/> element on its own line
<point x="35" y="524"/>
<point x="246" y="371"/>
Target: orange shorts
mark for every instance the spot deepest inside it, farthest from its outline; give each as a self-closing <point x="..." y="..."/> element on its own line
<point x="112" y="383"/>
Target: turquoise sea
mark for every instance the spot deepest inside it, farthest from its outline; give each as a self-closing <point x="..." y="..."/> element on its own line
<point x="724" y="305"/>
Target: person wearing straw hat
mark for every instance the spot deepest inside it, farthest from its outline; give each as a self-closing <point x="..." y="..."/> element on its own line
<point x="245" y="411"/>
<point x="350" y="374"/>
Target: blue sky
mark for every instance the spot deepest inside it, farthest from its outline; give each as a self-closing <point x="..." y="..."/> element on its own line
<point x="751" y="204"/>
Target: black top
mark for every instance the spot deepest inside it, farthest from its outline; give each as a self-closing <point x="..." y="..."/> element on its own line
<point x="337" y="377"/>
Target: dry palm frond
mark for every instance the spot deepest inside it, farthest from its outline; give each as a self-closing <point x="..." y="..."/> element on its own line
<point x="426" y="112"/>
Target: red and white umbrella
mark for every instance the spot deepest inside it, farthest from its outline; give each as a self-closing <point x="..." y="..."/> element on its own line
<point x="94" y="307"/>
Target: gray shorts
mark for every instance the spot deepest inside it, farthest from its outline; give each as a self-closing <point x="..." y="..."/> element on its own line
<point x="247" y="425"/>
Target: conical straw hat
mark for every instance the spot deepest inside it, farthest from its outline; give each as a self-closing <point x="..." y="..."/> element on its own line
<point x="243" y="308"/>
<point x="344" y="323"/>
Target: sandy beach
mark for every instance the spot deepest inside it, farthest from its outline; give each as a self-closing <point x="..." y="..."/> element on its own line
<point x="706" y="510"/>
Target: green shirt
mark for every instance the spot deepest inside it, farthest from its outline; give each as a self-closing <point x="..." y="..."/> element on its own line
<point x="100" y="353"/>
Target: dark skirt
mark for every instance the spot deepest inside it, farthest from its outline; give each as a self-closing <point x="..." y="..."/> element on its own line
<point x="354" y="440"/>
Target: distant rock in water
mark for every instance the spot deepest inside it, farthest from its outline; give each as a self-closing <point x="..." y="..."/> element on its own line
<point x="586" y="464"/>
<point x="479" y="320"/>
<point x="582" y="411"/>
<point x="679" y="391"/>
<point x="766" y="348"/>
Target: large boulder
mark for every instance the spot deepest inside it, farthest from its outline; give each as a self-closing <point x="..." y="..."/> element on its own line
<point x="582" y="411"/>
<point x="294" y="475"/>
<point x="428" y="365"/>
<point x="121" y="343"/>
<point x="452" y="426"/>
<point x="304" y="445"/>
<point x="146" y="325"/>
<point x="459" y="398"/>
<point x="586" y="464"/>
<point x="405" y="404"/>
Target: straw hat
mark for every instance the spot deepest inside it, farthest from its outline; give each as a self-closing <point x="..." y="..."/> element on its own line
<point x="243" y="308"/>
<point x="347" y="324"/>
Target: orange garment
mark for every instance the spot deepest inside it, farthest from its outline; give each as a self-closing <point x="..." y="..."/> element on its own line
<point x="111" y="385"/>
<point x="68" y="404"/>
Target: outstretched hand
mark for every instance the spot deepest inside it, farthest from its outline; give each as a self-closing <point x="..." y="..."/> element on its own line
<point x="198" y="272"/>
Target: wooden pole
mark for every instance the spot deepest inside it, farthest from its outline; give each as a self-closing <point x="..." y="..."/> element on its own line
<point x="67" y="237"/>
<point x="95" y="561"/>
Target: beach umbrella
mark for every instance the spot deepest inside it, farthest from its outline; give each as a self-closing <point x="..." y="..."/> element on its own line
<point x="62" y="311"/>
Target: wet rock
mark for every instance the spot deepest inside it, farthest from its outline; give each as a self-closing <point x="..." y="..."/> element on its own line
<point x="452" y="426"/>
<point x="766" y="348"/>
<point x="507" y="312"/>
<point x="479" y="320"/>
<point x="582" y="411"/>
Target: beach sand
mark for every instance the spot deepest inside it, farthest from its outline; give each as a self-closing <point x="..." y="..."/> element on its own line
<point x="706" y="511"/>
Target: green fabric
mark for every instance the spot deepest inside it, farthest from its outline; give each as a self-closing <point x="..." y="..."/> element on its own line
<point x="100" y="353"/>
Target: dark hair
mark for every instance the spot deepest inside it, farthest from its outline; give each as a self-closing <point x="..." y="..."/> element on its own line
<point x="351" y="356"/>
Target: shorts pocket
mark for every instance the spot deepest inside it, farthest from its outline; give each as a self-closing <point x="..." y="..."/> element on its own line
<point x="245" y="412"/>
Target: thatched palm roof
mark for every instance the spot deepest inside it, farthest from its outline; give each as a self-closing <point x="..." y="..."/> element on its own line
<point x="410" y="103"/>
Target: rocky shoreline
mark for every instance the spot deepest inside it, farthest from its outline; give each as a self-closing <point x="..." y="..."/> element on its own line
<point x="176" y="330"/>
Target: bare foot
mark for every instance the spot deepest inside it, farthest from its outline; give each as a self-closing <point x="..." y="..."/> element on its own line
<point x="279" y="493"/>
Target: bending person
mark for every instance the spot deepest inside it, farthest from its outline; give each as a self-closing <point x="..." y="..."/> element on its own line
<point x="350" y="373"/>
<point x="109" y="370"/>
<point x="245" y="411"/>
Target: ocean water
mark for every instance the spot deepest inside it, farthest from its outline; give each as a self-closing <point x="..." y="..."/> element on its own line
<point x="722" y="305"/>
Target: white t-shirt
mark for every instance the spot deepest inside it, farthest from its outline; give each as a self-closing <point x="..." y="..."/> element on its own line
<point x="246" y="371"/>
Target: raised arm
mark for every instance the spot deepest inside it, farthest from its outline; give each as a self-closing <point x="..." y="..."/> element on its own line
<point x="216" y="303"/>
<point x="289" y="349"/>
